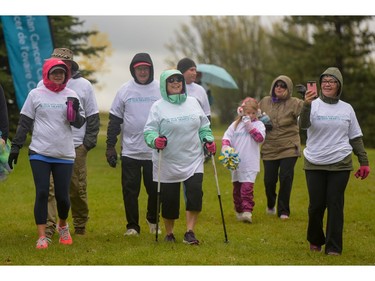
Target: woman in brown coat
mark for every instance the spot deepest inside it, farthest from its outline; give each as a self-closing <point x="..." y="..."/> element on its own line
<point x="282" y="145"/>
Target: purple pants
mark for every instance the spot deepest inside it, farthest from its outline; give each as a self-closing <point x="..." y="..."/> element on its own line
<point x="243" y="196"/>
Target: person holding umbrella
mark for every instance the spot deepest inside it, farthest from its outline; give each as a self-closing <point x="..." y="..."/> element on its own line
<point x="188" y="68"/>
<point x="178" y="130"/>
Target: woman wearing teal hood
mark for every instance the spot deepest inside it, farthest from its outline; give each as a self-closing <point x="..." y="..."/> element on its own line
<point x="178" y="127"/>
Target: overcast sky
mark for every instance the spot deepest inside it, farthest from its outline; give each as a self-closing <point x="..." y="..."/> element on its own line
<point x="130" y="35"/>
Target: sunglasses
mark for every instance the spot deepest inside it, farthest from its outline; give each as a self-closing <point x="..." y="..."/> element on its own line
<point x="281" y="85"/>
<point x="177" y="79"/>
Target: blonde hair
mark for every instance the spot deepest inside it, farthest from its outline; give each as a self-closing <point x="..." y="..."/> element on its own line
<point x="247" y="105"/>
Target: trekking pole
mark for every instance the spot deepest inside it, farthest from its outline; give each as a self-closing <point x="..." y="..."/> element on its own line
<point x="158" y="198"/>
<point x="219" y="196"/>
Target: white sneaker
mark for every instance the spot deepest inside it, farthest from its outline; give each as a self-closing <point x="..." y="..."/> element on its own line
<point x="239" y="216"/>
<point x="247" y="217"/>
<point x="284" y="217"/>
<point x="271" y="211"/>
<point x="152" y="227"/>
<point x="131" y="232"/>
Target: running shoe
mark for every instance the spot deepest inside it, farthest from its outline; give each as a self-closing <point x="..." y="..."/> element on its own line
<point x="42" y="242"/>
<point x="189" y="238"/>
<point x="64" y="233"/>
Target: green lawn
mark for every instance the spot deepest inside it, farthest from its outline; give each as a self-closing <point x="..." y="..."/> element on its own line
<point x="267" y="241"/>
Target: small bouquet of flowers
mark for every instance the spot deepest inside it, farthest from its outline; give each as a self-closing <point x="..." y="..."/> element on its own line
<point x="229" y="158"/>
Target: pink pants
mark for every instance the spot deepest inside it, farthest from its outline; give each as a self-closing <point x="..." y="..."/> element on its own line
<point x="243" y="196"/>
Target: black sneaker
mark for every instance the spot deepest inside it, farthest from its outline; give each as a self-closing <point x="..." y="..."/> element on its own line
<point x="189" y="238"/>
<point x="170" y="238"/>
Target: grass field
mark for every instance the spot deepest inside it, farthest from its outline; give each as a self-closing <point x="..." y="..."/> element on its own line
<point x="267" y="241"/>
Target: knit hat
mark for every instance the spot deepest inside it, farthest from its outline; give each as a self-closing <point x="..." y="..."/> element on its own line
<point x="184" y="64"/>
<point x="65" y="54"/>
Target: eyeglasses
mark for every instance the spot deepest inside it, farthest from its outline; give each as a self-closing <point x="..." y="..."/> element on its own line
<point x="329" y="82"/>
<point x="177" y="79"/>
<point x="281" y="85"/>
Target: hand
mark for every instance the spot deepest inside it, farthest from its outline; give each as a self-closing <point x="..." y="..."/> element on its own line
<point x="362" y="172"/>
<point x="111" y="155"/>
<point x="12" y="159"/>
<point x="224" y="148"/>
<point x="75" y="103"/>
<point x="161" y="142"/>
<point x="210" y="148"/>
<point x="248" y="125"/>
<point x="264" y="118"/>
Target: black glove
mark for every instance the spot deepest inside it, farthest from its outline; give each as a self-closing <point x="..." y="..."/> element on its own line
<point x="268" y="126"/>
<point x="76" y="104"/>
<point x="13" y="156"/>
<point x="111" y="155"/>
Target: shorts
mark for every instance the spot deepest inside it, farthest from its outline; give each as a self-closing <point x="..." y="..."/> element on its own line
<point x="170" y="196"/>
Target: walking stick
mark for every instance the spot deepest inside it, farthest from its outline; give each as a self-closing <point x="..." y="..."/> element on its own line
<point x="219" y="196"/>
<point x="158" y="199"/>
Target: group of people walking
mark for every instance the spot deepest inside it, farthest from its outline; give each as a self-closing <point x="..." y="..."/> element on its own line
<point x="333" y="134"/>
<point x="165" y="134"/>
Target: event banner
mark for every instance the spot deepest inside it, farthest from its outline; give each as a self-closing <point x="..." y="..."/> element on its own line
<point x="28" y="41"/>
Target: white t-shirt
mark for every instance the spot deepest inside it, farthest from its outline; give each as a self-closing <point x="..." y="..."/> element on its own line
<point x="248" y="151"/>
<point x="132" y="104"/>
<point x="85" y="91"/>
<point x="332" y="126"/>
<point x="180" y="123"/>
<point x="52" y="133"/>
<point x="197" y="91"/>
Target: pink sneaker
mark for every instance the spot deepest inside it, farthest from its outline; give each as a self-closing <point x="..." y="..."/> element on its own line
<point x="42" y="242"/>
<point x="65" y="237"/>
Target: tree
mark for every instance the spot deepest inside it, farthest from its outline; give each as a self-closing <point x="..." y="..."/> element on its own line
<point x="301" y="47"/>
<point x="239" y="44"/>
<point x="307" y="45"/>
<point x="66" y="33"/>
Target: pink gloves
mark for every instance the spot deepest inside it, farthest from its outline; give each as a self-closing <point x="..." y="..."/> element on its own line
<point x="210" y="147"/>
<point x="362" y="172"/>
<point x="161" y="142"/>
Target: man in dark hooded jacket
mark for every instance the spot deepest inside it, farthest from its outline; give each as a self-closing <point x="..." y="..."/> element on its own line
<point x="129" y="112"/>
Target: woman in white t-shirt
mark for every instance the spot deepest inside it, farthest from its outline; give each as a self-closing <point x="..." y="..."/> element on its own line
<point x="178" y="126"/>
<point x="51" y="149"/>
<point x="333" y="133"/>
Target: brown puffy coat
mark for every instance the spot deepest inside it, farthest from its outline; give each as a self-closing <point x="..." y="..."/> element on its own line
<point x="283" y="140"/>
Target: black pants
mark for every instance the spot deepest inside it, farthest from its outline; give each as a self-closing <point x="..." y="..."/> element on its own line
<point x="326" y="191"/>
<point x="61" y="174"/>
<point x="282" y="170"/>
<point x="132" y="171"/>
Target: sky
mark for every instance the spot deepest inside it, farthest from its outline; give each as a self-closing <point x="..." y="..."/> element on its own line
<point x="130" y="35"/>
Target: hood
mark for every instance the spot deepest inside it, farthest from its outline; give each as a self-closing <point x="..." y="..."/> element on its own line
<point x="335" y="72"/>
<point x="48" y="64"/>
<point x="142" y="57"/>
<point x="288" y="83"/>
<point x="176" y="99"/>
